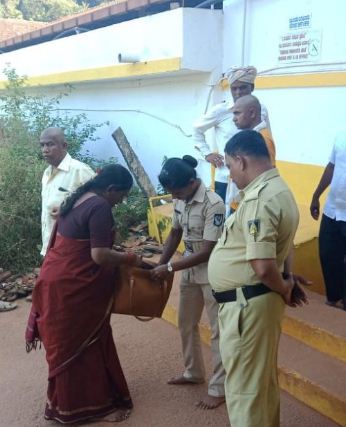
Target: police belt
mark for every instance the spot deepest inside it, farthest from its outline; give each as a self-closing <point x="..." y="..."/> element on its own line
<point x="249" y="291"/>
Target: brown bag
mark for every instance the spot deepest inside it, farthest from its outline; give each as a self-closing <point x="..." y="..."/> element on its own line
<point x="137" y="294"/>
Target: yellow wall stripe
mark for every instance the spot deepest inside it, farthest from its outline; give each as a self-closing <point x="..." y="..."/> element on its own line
<point x="123" y="71"/>
<point x="302" y="80"/>
<point x="105" y="73"/>
<point x="325" y="79"/>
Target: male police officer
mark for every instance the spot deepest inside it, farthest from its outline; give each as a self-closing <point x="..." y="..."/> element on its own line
<point x="245" y="273"/>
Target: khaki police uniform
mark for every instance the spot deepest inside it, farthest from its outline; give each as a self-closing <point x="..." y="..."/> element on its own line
<point x="263" y="227"/>
<point x="200" y="219"/>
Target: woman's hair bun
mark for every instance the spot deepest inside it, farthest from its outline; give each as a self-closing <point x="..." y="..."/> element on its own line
<point x="190" y="160"/>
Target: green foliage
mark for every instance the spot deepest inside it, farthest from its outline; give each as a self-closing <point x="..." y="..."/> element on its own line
<point x="130" y="213"/>
<point x="44" y="10"/>
<point x="20" y="205"/>
<point x="48" y="10"/>
<point x="9" y="9"/>
<point x="28" y="114"/>
<point x="22" y="118"/>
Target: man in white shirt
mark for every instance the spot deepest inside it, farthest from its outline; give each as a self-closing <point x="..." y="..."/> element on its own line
<point x="63" y="176"/>
<point x="220" y="117"/>
<point x="332" y="236"/>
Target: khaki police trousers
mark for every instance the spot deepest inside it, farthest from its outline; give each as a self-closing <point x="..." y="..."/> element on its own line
<point x="193" y="298"/>
<point x="249" y="338"/>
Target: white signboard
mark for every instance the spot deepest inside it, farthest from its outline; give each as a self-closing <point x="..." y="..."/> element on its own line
<point x="299" y="22"/>
<point x="300" y="46"/>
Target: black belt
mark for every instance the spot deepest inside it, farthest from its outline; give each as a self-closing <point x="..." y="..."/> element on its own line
<point x="249" y="291"/>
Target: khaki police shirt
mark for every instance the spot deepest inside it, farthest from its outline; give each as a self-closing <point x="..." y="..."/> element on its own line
<point x="263" y="227"/>
<point x="201" y="218"/>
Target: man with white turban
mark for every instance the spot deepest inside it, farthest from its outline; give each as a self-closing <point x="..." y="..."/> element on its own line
<point x="220" y="117"/>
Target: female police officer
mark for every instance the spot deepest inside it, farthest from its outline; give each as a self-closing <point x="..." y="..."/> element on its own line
<point x="197" y="219"/>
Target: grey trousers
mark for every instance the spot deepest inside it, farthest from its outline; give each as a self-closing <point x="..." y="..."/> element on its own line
<point x="193" y="298"/>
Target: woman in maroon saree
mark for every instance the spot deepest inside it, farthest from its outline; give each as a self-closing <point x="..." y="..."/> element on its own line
<point x="71" y="305"/>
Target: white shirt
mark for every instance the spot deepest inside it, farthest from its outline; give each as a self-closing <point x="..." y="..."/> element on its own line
<point x="57" y="183"/>
<point x="220" y="117"/>
<point x="335" y="206"/>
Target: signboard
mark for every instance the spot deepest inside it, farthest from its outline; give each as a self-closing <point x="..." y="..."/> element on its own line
<point x="299" y="22"/>
<point x="300" y="46"/>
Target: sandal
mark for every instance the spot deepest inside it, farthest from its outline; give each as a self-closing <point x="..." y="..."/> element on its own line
<point x="7" y="306"/>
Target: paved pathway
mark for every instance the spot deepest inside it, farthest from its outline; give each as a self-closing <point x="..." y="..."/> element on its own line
<point x="150" y="354"/>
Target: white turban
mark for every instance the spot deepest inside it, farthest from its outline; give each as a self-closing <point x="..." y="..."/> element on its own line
<point x="241" y="74"/>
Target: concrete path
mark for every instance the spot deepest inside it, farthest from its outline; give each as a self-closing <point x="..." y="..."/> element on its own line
<point x="150" y="354"/>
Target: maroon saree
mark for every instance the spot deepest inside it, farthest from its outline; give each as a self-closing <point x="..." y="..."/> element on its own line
<point x="71" y="316"/>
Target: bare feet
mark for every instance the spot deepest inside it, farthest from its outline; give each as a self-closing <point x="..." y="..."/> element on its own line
<point x="121" y="415"/>
<point x="117" y="416"/>
<point x="210" y="402"/>
<point x="336" y="304"/>
<point x="183" y="381"/>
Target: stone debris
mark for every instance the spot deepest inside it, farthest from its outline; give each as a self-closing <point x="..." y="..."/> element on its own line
<point x="142" y="227"/>
<point x="140" y="243"/>
<point x="13" y="286"/>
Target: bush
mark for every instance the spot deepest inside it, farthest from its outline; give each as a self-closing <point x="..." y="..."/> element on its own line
<point x="20" y="205"/>
<point x="22" y="118"/>
<point x="130" y="213"/>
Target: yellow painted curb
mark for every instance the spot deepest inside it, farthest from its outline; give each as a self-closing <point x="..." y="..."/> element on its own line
<point x="299" y="387"/>
<point x="170" y="314"/>
<point x="313" y="395"/>
<point x="315" y="337"/>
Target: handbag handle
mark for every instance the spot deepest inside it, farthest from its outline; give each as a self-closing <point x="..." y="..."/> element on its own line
<point x="144" y="319"/>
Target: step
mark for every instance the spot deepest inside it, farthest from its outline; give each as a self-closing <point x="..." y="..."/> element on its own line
<point x="318" y="325"/>
<point x="314" y="378"/>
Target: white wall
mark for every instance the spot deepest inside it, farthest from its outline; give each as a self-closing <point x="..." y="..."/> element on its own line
<point x="100" y="47"/>
<point x="186" y="33"/>
<point x="304" y="120"/>
<point x="267" y="20"/>
<point x="195" y="35"/>
<point x="177" y="100"/>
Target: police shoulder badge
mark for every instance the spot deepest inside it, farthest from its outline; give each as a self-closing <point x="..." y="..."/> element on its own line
<point x="218" y="220"/>
<point x="254" y="226"/>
